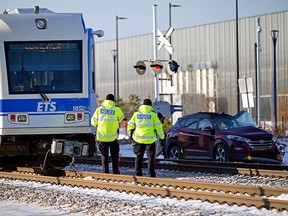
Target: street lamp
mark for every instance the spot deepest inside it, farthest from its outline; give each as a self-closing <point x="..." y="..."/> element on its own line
<point x="274" y="35"/>
<point x="170" y="22"/>
<point x="114" y="55"/>
<point x="117" y="59"/>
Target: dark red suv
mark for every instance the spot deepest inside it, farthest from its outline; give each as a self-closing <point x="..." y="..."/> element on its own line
<point x="220" y="137"/>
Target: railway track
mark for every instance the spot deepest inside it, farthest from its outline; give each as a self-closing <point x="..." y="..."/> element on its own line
<point x="260" y="197"/>
<point x="250" y="169"/>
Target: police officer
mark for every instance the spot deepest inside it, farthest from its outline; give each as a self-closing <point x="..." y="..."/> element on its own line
<point x="143" y="127"/>
<point x="106" y="119"/>
<point x="166" y="124"/>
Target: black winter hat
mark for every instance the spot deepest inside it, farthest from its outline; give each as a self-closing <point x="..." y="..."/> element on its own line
<point x="110" y="97"/>
<point x="147" y="102"/>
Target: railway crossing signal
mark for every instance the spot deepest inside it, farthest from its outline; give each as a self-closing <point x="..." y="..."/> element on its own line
<point x="172" y="67"/>
<point x="140" y="67"/>
<point x="163" y="40"/>
<point x="156" y="67"/>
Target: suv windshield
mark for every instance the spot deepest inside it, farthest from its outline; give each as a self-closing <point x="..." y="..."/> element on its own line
<point x="245" y="119"/>
<point x="241" y="119"/>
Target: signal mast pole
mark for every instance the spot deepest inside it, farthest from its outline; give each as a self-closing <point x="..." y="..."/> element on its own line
<point x="258" y="73"/>
<point x="155" y="51"/>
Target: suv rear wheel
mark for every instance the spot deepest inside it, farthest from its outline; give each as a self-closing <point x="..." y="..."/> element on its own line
<point x="221" y="153"/>
<point x="174" y="152"/>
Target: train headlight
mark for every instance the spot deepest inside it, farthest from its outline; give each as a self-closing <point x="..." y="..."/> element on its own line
<point x="70" y="148"/>
<point x="18" y="118"/>
<point x="22" y="118"/>
<point x="57" y="147"/>
<point x="70" y="117"/>
<point x="85" y="150"/>
<point x="74" y="117"/>
<point x="41" y="23"/>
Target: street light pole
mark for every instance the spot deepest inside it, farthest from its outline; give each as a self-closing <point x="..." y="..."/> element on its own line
<point x="170" y="20"/>
<point x="170" y="56"/>
<point x="274" y="35"/>
<point x="258" y="72"/>
<point x="117" y="59"/>
<point x="237" y="59"/>
<point x="114" y="55"/>
<point x="155" y="39"/>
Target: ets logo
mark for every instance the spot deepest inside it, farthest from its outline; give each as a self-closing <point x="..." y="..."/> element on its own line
<point x="46" y="107"/>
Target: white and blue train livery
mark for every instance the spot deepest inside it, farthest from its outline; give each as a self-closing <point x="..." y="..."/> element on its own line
<point x="47" y="86"/>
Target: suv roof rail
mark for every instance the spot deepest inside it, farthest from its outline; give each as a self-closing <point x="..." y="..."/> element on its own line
<point x="212" y="113"/>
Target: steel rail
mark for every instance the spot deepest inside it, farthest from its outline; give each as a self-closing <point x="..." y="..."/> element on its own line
<point x="166" y="188"/>
<point x="197" y="166"/>
<point x="182" y="184"/>
<point x="266" y="166"/>
<point x="168" y="182"/>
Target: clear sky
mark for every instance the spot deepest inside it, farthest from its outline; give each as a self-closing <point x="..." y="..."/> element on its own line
<point x="101" y="14"/>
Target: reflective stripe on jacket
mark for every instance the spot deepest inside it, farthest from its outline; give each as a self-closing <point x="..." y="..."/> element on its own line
<point x="106" y="119"/>
<point x="145" y="125"/>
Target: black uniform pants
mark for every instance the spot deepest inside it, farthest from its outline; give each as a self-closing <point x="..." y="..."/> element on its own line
<point x="114" y="151"/>
<point x="139" y="150"/>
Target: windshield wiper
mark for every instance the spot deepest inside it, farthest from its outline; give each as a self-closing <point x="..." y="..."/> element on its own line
<point x="35" y="86"/>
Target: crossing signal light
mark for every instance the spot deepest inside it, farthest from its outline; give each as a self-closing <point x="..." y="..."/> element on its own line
<point x="172" y="67"/>
<point x="140" y="67"/>
<point x="156" y="67"/>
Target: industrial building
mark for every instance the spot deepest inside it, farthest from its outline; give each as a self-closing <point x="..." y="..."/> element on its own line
<point x="211" y="57"/>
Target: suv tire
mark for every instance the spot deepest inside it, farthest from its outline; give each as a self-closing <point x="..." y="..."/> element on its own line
<point x="221" y="153"/>
<point x="174" y="152"/>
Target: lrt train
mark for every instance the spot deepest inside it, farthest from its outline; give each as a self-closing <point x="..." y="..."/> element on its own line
<point x="47" y="87"/>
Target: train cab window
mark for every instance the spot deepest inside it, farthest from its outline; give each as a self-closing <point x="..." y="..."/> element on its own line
<point x="52" y="67"/>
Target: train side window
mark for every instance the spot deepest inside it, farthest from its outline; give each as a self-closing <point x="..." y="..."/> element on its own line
<point x="92" y="68"/>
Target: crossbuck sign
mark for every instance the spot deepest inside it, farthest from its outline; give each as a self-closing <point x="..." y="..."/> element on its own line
<point x="163" y="40"/>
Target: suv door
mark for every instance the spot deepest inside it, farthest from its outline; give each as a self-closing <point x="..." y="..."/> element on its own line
<point x="187" y="136"/>
<point x="205" y="138"/>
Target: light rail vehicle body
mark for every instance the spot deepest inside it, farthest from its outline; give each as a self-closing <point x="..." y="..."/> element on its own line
<point x="47" y="87"/>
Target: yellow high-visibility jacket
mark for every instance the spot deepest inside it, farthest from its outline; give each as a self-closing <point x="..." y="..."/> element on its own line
<point x="145" y="125"/>
<point x="167" y="124"/>
<point x="106" y="119"/>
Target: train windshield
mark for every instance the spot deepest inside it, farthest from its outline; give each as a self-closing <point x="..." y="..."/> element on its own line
<point x="50" y="67"/>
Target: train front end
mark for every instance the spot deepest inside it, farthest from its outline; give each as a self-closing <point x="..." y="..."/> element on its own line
<point x="47" y="91"/>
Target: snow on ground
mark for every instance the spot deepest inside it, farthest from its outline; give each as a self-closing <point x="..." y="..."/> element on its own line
<point x="75" y="201"/>
<point x="33" y="199"/>
<point x="13" y="208"/>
